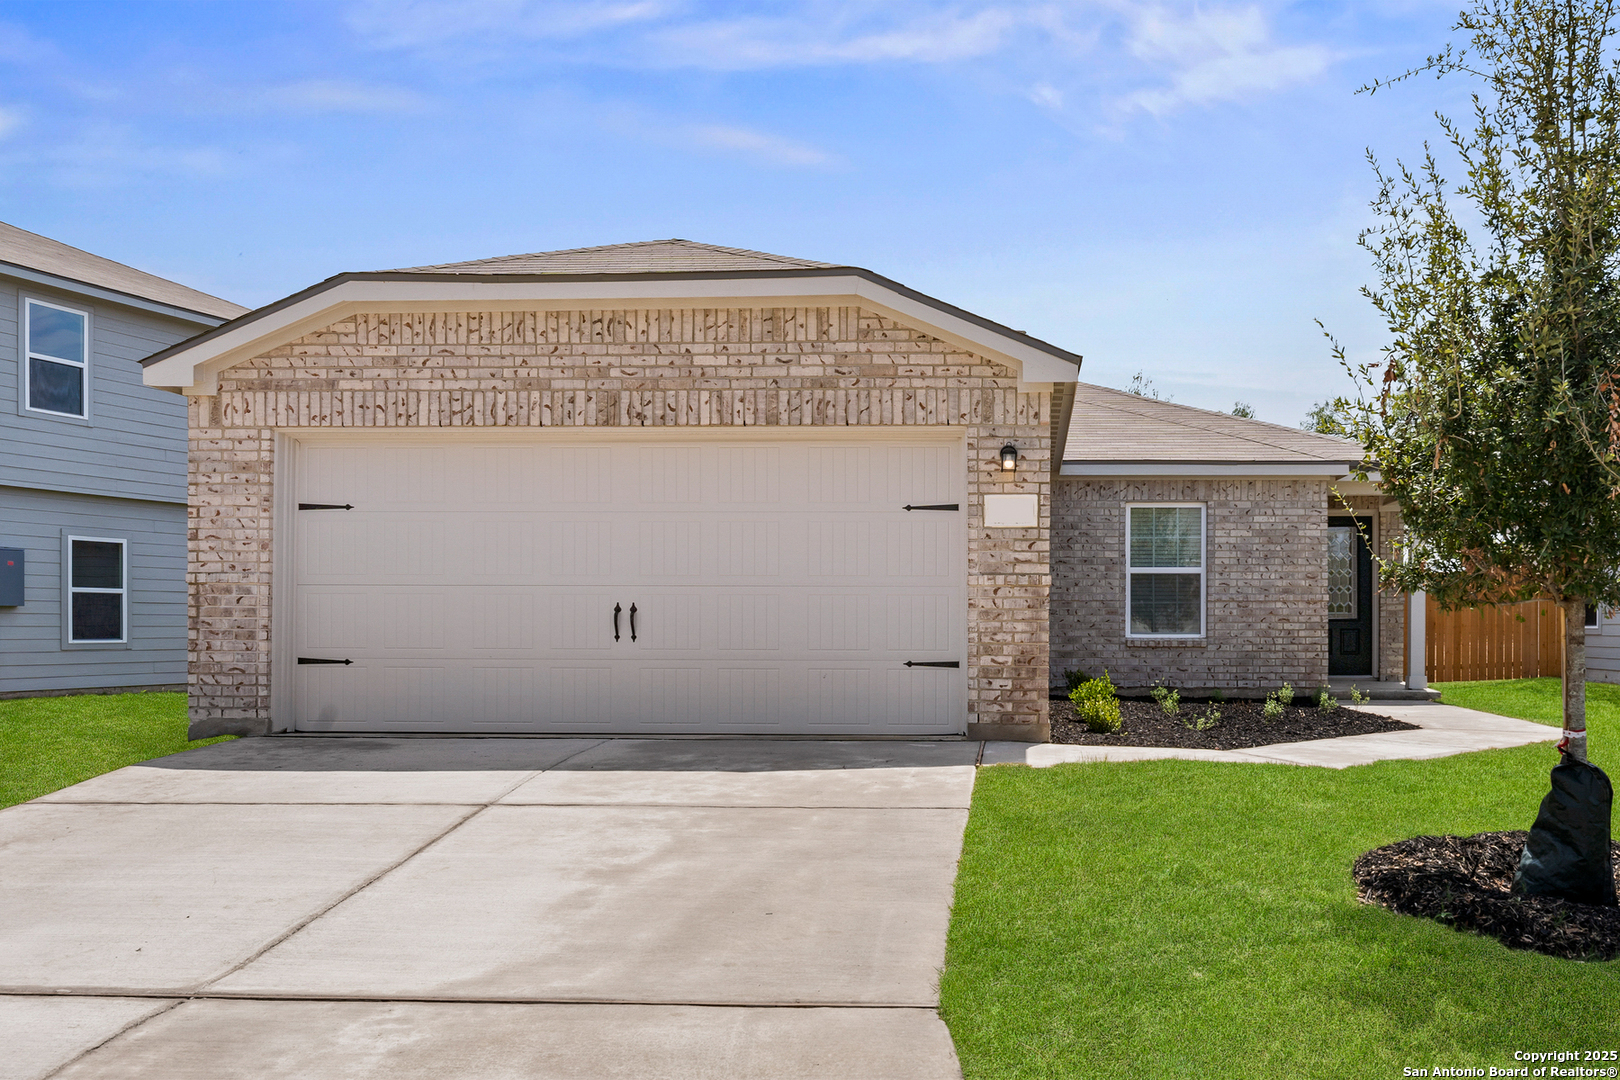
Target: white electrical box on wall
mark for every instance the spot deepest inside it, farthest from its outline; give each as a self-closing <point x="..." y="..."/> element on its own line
<point x="1012" y="511"/>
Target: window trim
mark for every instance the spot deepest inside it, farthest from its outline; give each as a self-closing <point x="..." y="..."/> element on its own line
<point x="26" y="355"/>
<point x="68" y="590"/>
<point x="1202" y="570"/>
<point x="1355" y="573"/>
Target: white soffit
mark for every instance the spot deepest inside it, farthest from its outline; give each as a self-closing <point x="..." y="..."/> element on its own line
<point x="195" y="369"/>
<point x="1335" y="469"/>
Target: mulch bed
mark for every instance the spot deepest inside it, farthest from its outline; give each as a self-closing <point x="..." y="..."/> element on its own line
<point x="1241" y="725"/>
<point x="1465" y="882"/>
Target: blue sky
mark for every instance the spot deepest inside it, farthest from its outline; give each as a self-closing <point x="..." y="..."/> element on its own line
<point x="1168" y="187"/>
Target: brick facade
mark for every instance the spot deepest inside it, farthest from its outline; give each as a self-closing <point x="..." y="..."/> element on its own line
<point x="1265" y="588"/>
<point x="824" y="367"/>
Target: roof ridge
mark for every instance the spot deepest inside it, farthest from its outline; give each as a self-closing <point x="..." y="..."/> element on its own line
<point x="625" y="248"/>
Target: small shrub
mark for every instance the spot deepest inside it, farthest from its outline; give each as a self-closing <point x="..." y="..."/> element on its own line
<point x="1210" y="717"/>
<point x="1169" y="700"/>
<point x="1217" y="694"/>
<point x="1096" y="702"/>
<point x="1358" y="698"/>
<point x="1325" y="700"/>
<point x="1273" y="708"/>
<point x="1074" y="677"/>
<point x="1286" y="694"/>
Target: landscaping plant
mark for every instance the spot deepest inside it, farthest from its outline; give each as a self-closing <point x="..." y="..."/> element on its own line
<point x="1096" y="703"/>
<point x="1286" y="694"/>
<point x="1169" y="700"/>
<point x="1325" y="700"/>
<point x="1494" y="411"/>
<point x="1273" y="708"/>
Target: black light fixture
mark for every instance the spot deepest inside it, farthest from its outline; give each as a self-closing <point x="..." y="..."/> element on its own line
<point x="1009" y="458"/>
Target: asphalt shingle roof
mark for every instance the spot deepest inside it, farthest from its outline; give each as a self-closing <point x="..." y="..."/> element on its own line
<point x="647" y="257"/>
<point x="1114" y="426"/>
<point x="19" y="247"/>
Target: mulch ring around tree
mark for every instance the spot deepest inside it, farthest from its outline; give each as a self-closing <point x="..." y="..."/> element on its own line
<point x="1241" y="725"/>
<point x="1465" y="882"/>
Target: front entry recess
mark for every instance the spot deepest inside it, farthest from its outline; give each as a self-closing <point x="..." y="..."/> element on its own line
<point x="1350" y="597"/>
<point x="629" y="586"/>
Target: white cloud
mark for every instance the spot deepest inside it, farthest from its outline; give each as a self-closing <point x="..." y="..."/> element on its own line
<point x="768" y="149"/>
<point x="416" y="24"/>
<point x="327" y="96"/>
<point x="1047" y="95"/>
<point x="822" y="38"/>
<point x="1215" y="55"/>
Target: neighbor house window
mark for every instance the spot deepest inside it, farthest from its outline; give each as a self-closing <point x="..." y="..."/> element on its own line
<point x="1591" y="615"/>
<point x="1341" y="572"/>
<point x="56" y="368"/>
<point x="97" y="591"/>
<point x="1164" y="582"/>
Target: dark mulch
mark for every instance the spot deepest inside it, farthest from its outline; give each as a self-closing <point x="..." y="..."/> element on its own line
<point x="1241" y="725"/>
<point x="1466" y="882"/>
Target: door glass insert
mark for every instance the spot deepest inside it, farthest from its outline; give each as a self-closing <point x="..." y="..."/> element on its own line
<point x="1341" y="573"/>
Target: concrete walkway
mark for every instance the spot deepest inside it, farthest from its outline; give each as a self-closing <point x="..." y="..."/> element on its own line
<point x="1444" y="730"/>
<point x="486" y="908"/>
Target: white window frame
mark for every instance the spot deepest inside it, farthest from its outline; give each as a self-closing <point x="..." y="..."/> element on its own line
<point x="1201" y="570"/>
<point x="28" y="356"/>
<point x="70" y="590"/>
<point x="1355" y="572"/>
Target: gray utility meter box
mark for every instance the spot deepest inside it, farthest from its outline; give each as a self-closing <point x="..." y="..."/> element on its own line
<point x="11" y="577"/>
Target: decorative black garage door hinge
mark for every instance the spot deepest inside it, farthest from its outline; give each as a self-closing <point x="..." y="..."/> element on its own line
<point x="318" y="660"/>
<point x="934" y="506"/>
<point x="325" y="506"/>
<point x="933" y="663"/>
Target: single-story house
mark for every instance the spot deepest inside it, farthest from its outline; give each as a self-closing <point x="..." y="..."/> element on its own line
<point x="92" y="471"/>
<point x="676" y="488"/>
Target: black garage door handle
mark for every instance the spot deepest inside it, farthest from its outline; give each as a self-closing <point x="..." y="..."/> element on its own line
<point x="318" y="660"/>
<point x="934" y="663"/>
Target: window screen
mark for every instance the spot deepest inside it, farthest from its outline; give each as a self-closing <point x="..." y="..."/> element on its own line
<point x="1165" y="587"/>
<point x="56" y="366"/>
<point x="96" y="590"/>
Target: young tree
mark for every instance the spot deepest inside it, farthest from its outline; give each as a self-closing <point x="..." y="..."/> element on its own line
<point x="1486" y="413"/>
<point x="1243" y="409"/>
<point x="1324" y="419"/>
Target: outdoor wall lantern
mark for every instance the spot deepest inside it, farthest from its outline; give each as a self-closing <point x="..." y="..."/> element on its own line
<point x="1009" y="458"/>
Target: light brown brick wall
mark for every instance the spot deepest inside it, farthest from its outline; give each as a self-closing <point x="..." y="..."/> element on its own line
<point x="1266" y="587"/>
<point x="825" y="367"/>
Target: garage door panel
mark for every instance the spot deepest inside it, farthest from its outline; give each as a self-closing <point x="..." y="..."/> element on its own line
<point x="779" y="587"/>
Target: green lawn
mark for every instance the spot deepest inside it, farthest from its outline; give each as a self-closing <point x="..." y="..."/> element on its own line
<point x="1181" y="918"/>
<point x="48" y="743"/>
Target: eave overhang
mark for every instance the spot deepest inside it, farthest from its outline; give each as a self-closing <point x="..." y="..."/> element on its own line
<point x="193" y="366"/>
<point x="1336" y="469"/>
<point x="111" y="296"/>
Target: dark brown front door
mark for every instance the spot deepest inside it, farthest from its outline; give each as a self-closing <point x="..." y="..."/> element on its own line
<point x="1350" y="592"/>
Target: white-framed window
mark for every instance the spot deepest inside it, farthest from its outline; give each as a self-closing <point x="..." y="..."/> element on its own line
<point x="1591" y="617"/>
<point x="56" y="360"/>
<point x="1164" y="576"/>
<point x="98" y="590"/>
<point x="1342" y="571"/>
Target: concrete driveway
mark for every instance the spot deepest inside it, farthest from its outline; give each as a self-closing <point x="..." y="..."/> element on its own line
<point x="321" y="907"/>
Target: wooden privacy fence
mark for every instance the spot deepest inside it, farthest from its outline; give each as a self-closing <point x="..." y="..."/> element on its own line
<point x="1508" y="641"/>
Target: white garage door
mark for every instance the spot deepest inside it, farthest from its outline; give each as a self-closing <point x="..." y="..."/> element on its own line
<point x="659" y="585"/>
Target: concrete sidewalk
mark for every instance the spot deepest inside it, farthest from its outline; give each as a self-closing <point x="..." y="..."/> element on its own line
<point x="401" y="908"/>
<point x="1444" y="730"/>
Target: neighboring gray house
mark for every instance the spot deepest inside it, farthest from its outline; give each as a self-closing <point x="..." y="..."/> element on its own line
<point x="92" y="471"/>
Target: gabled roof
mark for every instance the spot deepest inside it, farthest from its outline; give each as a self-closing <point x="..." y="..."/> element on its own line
<point x="646" y="257"/>
<point x="23" y="250"/>
<point x="1113" y="433"/>
<point x="656" y="274"/>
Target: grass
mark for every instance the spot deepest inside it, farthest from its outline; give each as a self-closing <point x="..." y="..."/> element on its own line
<point x="1182" y="918"/>
<point x="49" y="743"/>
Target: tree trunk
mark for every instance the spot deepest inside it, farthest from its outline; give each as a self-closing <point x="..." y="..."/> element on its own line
<point x="1574" y="740"/>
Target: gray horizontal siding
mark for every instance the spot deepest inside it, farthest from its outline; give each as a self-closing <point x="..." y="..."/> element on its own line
<point x="1603" y="651"/>
<point x="135" y="443"/>
<point x="31" y="653"/>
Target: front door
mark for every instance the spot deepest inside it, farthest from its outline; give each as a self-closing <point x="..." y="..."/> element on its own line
<point x="1350" y="645"/>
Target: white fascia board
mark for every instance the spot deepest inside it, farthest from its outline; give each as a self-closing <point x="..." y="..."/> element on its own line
<point x="196" y="370"/>
<point x="1171" y="468"/>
